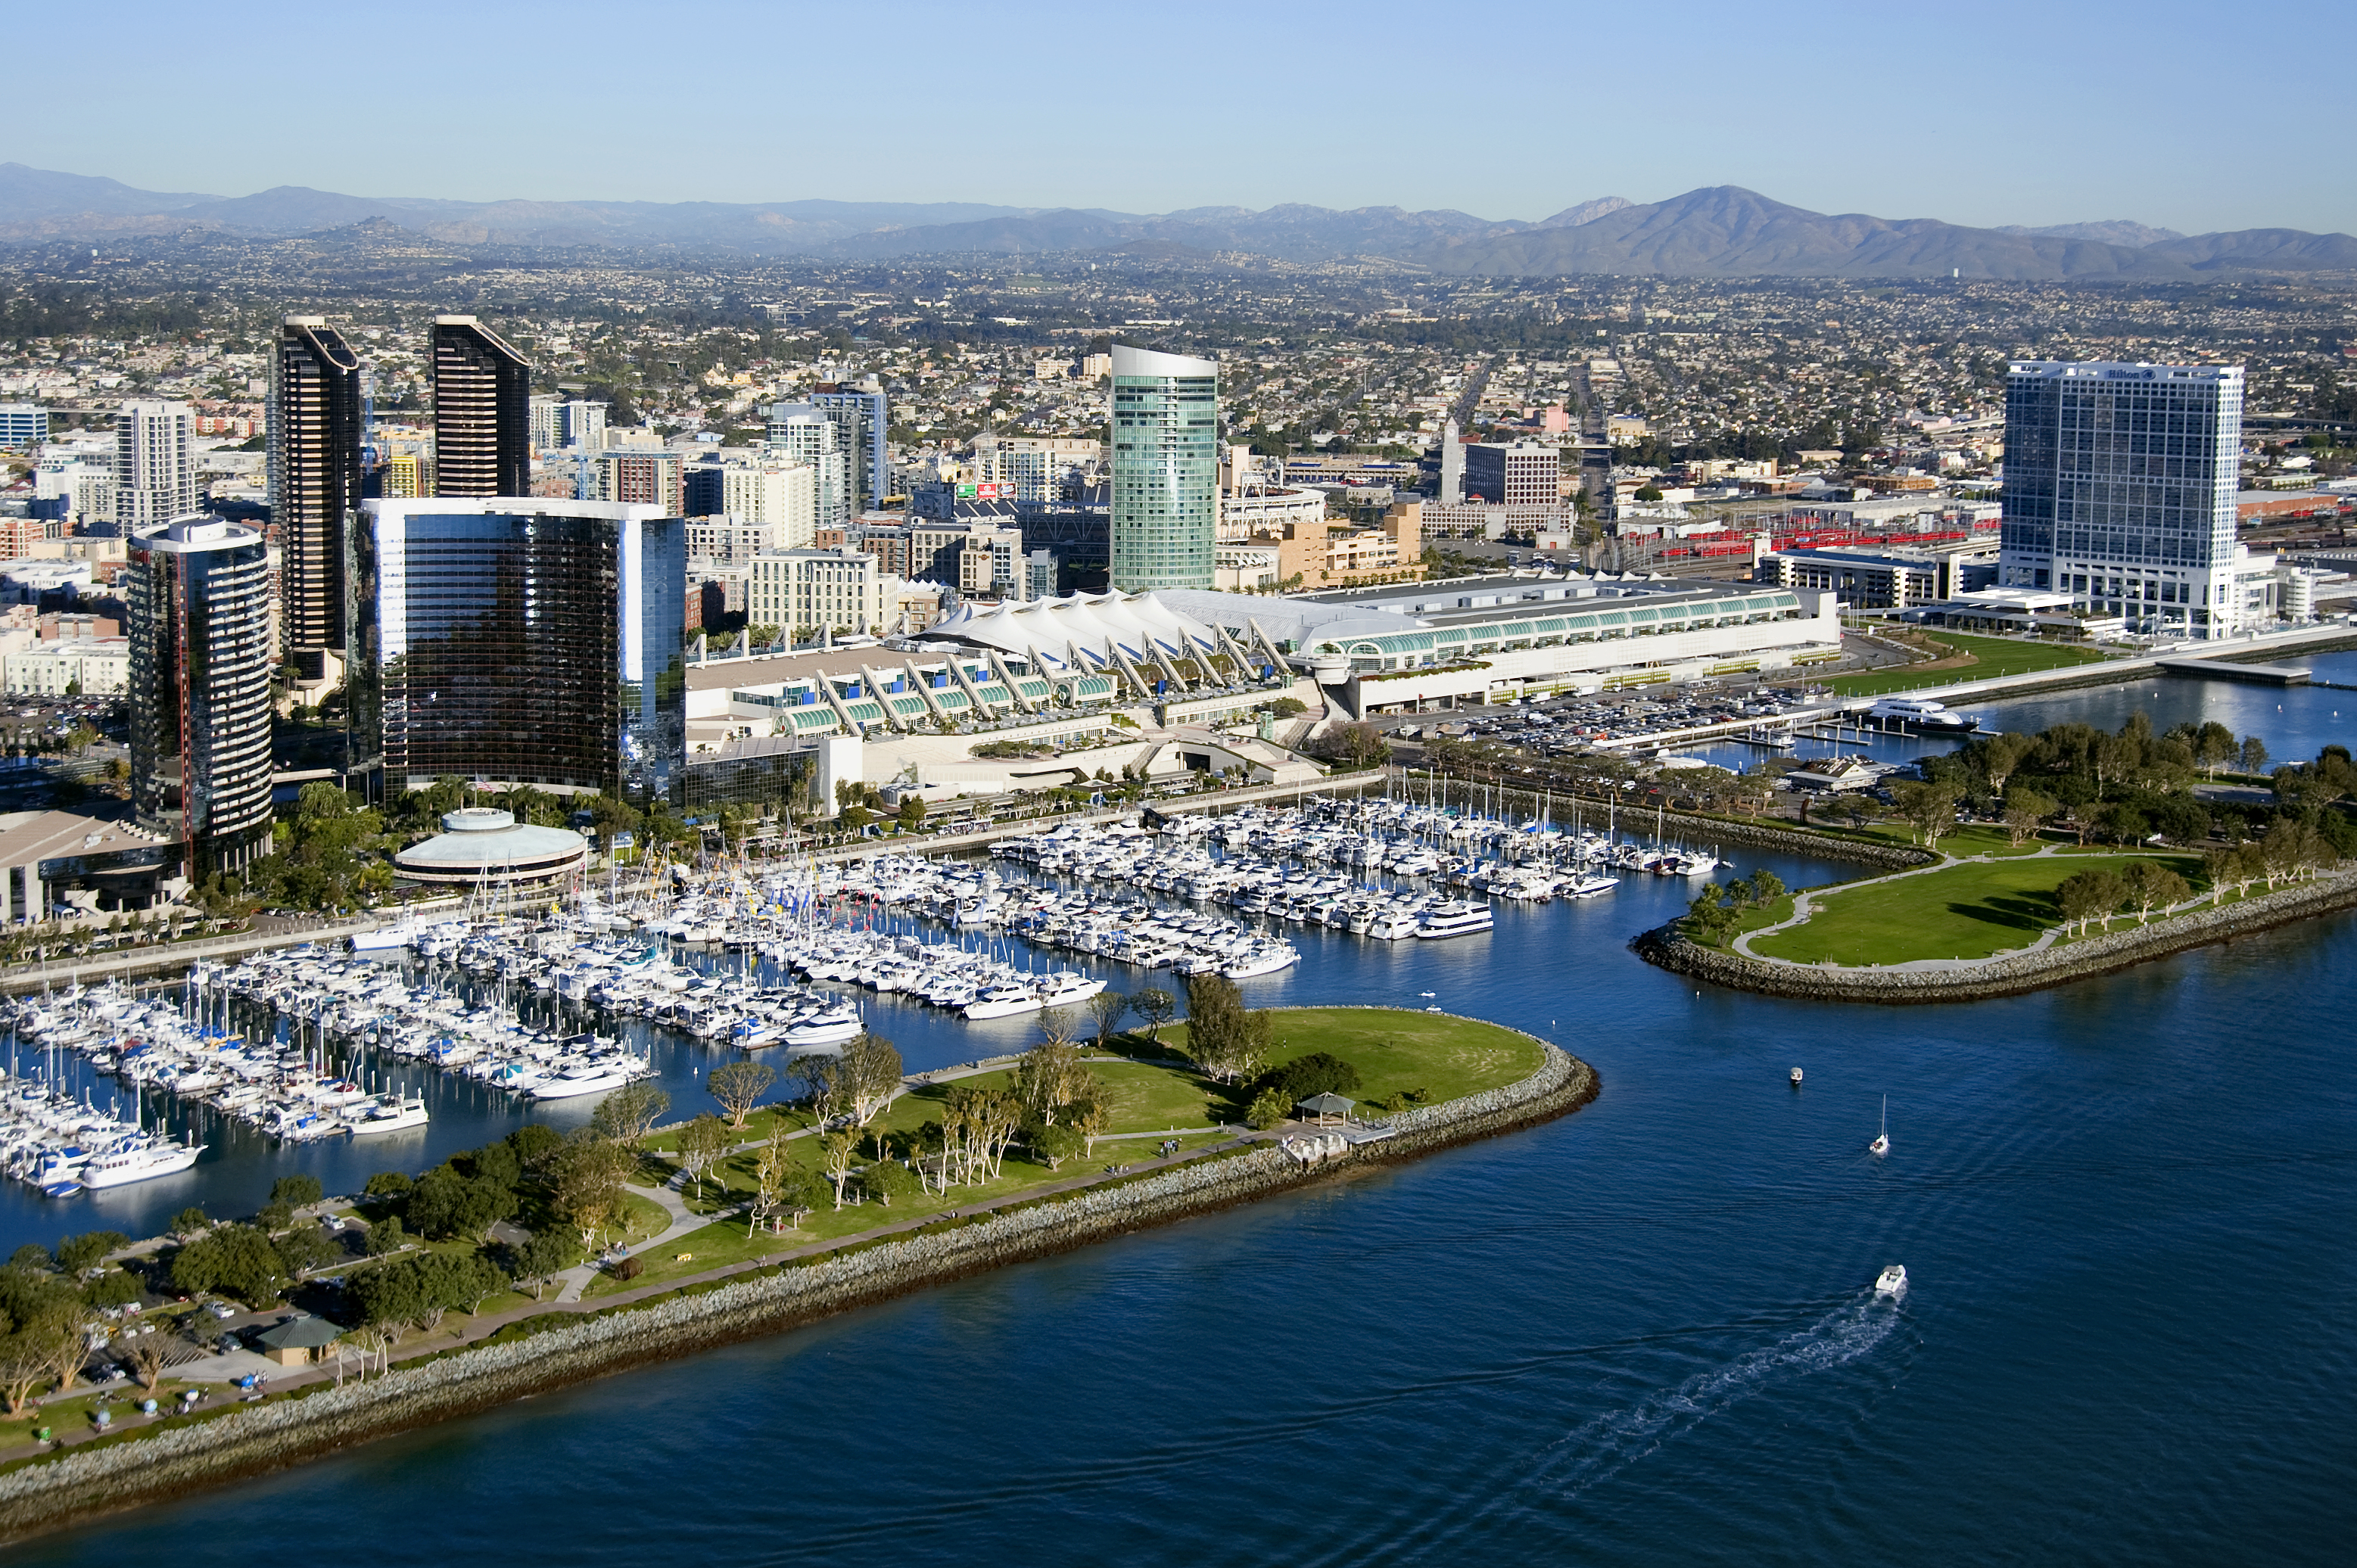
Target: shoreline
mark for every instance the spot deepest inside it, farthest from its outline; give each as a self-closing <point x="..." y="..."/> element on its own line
<point x="157" y="1464"/>
<point x="2012" y="974"/>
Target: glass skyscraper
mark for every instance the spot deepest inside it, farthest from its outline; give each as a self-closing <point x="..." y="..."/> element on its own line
<point x="1165" y="469"/>
<point x="527" y="641"/>
<point x="2119" y="489"/>
<point x="197" y="590"/>
<point x="315" y="477"/>
<point x="482" y="411"/>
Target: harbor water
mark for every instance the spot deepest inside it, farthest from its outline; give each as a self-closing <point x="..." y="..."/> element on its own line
<point x="1642" y="1330"/>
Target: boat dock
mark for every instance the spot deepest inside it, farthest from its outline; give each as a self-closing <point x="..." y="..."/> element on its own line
<point x="2219" y="670"/>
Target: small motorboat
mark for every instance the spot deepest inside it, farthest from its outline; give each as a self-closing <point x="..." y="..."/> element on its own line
<point x="1796" y="1077"/>
<point x="1881" y="1144"/>
<point x="1891" y="1280"/>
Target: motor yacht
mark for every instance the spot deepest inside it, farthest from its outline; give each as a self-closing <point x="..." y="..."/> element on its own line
<point x="1891" y="1281"/>
<point x="1455" y="918"/>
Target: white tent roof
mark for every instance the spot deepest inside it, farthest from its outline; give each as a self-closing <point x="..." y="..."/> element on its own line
<point x="1094" y="623"/>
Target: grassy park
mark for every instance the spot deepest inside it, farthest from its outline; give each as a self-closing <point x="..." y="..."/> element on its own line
<point x="1966" y="658"/>
<point x="1971" y="909"/>
<point x="1151" y="1090"/>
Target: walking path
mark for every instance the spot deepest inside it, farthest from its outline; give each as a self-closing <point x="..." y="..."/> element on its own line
<point x="1804" y="906"/>
<point x="479" y="1329"/>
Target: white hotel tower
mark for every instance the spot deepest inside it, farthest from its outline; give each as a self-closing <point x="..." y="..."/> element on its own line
<point x="2119" y="490"/>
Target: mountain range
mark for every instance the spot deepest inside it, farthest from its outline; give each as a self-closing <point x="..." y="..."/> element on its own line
<point x="1718" y="231"/>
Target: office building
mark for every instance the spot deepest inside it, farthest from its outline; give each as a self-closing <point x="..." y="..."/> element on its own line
<point x="482" y="411"/>
<point x="769" y="491"/>
<point x="561" y="423"/>
<point x="804" y="592"/>
<point x="799" y="434"/>
<point x="197" y="592"/>
<point x="518" y="640"/>
<point x="860" y="416"/>
<point x="315" y="477"/>
<point x="641" y="479"/>
<point x="1452" y="466"/>
<point x="154" y="463"/>
<point x="2119" y="490"/>
<point x="23" y="425"/>
<point x="1523" y="474"/>
<point x="1165" y="469"/>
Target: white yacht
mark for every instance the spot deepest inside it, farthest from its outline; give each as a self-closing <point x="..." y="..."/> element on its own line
<point x="142" y="1162"/>
<point x="387" y="1113"/>
<point x="585" y="1078"/>
<point x="1881" y="1144"/>
<point x="1891" y="1281"/>
<point x="1456" y="918"/>
<point x="1920" y="714"/>
<point x="1003" y="1002"/>
<point x="1391" y="925"/>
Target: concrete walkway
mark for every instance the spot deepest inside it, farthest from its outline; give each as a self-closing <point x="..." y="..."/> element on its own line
<point x="1804" y="906"/>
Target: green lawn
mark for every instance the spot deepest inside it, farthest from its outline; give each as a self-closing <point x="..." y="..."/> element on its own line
<point x="1395" y="1050"/>
<point x="1991" y="657"/>
<point x="1971" y="911"/>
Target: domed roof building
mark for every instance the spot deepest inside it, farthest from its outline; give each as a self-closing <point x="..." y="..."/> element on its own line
<point x="477" y="844"/>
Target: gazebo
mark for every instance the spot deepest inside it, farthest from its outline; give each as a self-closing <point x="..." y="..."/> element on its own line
<point x="298" y="1340"/>
<point x="1327" y="1107"/>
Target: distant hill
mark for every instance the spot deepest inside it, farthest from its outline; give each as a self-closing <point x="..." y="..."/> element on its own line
<point x="1728" y="231"/>
<point x="1720" y="232"/>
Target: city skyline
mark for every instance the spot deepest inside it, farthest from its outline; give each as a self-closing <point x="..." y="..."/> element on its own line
<point x="1992" y="168"/>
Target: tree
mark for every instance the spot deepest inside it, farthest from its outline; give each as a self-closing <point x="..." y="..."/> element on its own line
<point x="837" y="1153"/>
<point x="1050" y="1076"/>
<point x="2253" y="754"/>
<point x="1106" y="1009"/>
<point x="234" y="1260"/>
<point x="1268" y="1108"/>
<point x="386" y="1236"/>
<point x="587" y="1189"/>
<point x="1156" y="1006"/>
<point x="1358" y="744"/>
<point x="870" y="1075"/>
<point x="190" y="1223"/>
<point x="2153" y="886"/>
<point x="2213" y="746"/>
<point x="629" y="1114"/>
<point x="1224" y="1038"/>
<point x="78" y="1255"/>
<point x="295" y="1191"/>
<point x="1929" y="809"/>
<point x="2088" y="896"/>
<point x="2024" y="811"/>
<point x="738" y="1087"/>
<point x="888" y="1180"/>
<point x="701" y="1145"/>
<point x="545" y="1255"/>
<point x="144" y="1356"/>
<point x="305" y="1248"/>
<point x="782" y="1188"/>
<point x="911" y="813"/>
<point x="445" y="1204"/>
<point x="1996" y="757"/>
<point x="1088" y="1118"/>
<point x="1052" y="1146"/>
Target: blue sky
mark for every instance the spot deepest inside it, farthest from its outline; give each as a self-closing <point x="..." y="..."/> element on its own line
<point x="2185" y="116"/>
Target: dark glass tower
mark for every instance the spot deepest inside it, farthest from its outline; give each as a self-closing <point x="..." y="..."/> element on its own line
<point x="199" y="593"/>
<point x="314" y="477"/>
<point x="529" y="641"/>
<point x="482" y="411"/>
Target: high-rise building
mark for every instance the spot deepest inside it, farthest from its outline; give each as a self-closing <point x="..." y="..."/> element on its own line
<point x="799" y="434"/>
<point x="2119" y="489"/>
<point x="482" y="411"/>
<point x="1452" y="466"/>
<point x="526" y="641"/>
<point x="559" y="424"/>
<point x="23" y="424"/>
<point x="641" y="479"/>
<point x="802" y="592"/>
<point x="154" y="463"/>
<point x="1165" y="469"/>
<point x="1524" y="474"/>
<point x="315" y="477"/>
<point x="860" y="416"/>
<point x="197" y="592"/>
<point x="769" y="491"/>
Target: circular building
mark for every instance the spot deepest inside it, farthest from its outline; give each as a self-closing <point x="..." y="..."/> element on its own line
<point x="479" y="845"/>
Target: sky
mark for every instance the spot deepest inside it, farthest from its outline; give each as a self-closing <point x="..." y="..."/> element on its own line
<point x="2193" y="117"/>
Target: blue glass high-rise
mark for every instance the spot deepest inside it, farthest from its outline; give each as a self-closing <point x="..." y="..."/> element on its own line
<point x="1166" y="471"/>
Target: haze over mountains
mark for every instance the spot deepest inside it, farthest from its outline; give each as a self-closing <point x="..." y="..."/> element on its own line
<point x="1718" y="231"/>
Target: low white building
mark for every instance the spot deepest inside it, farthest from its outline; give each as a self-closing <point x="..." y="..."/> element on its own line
<point x="819" y="590"/>
<point x="69" y="667"/>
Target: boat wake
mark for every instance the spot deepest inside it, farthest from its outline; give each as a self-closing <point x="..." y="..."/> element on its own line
<point x="1610" y="1442"/>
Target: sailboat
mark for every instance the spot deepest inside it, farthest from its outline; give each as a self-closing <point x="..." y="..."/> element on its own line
<point x="1881" y="1144"/>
